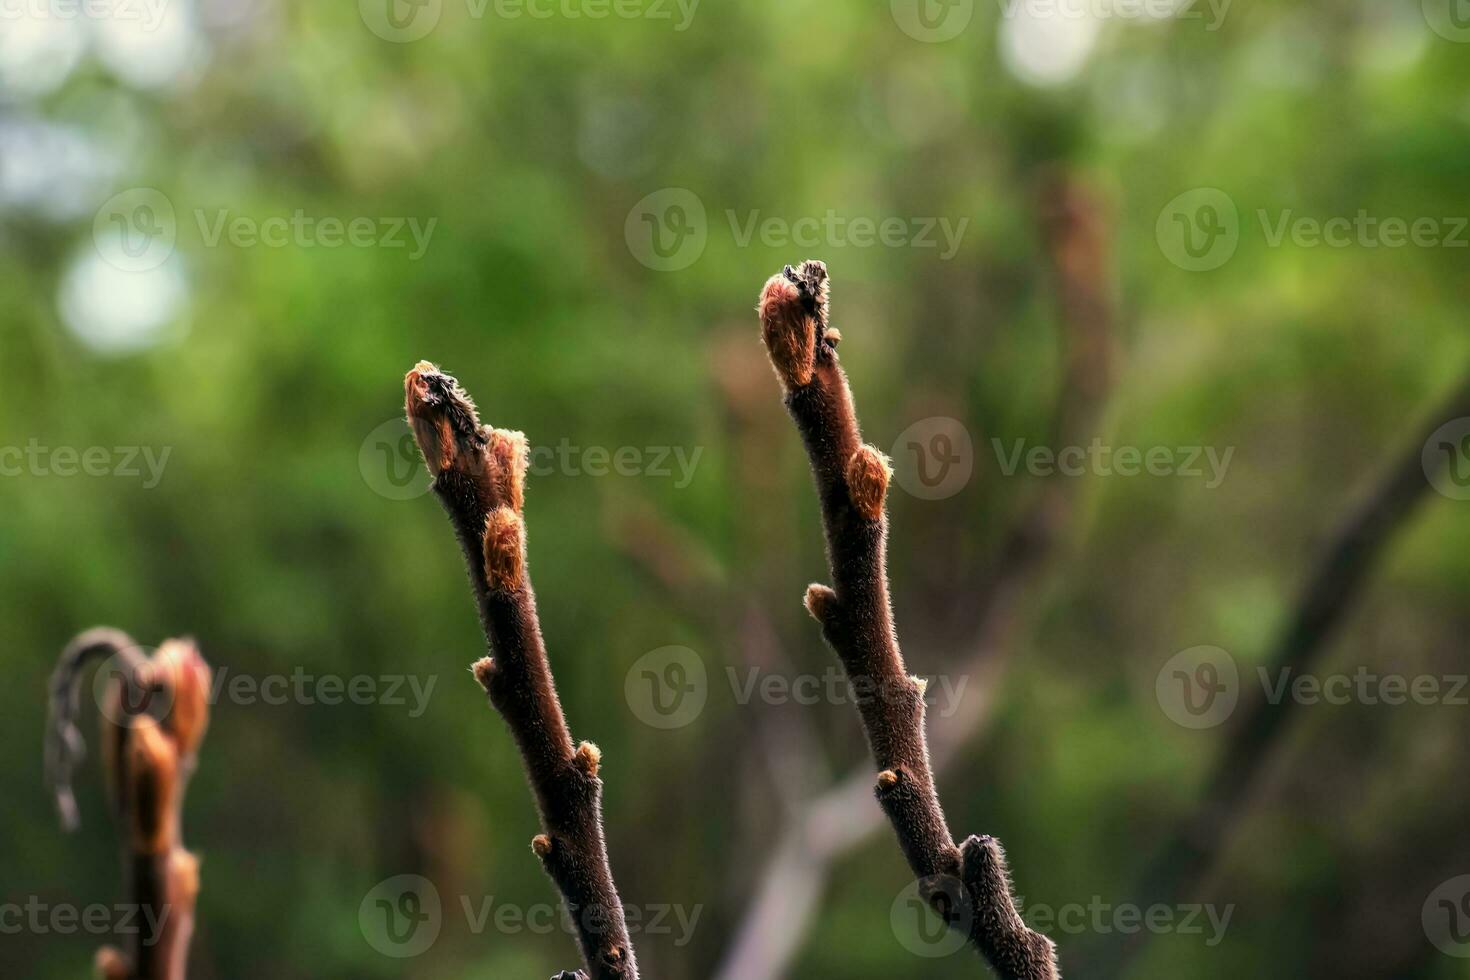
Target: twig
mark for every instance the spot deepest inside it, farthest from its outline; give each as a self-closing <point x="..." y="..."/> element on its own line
<point x="852" y="484"/>
<point x="1074" y="228"/>
<point x="1332" y="584"/>
<point x="154" y="713"/>
<point x="479" y="478"/>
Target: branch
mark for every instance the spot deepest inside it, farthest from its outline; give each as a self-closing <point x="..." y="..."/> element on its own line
<point x="854" y="613"/>
<point x="1333" y="583"/>
<point x="1075" y="230"/>
<point x="479" y="478"/>
<point x="154" y="713"/>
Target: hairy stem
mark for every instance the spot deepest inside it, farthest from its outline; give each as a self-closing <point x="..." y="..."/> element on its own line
<point x="855" y="615"/>
<point x="479" y="478"/>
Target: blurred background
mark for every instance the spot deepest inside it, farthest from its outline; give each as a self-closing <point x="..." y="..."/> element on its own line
<point x="1146" y="299"/>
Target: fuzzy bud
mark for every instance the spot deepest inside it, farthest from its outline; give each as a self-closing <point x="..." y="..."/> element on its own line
<point x="589" y="758"/>
<point x="868" y="473"/>
<point x="505" y="550"/>
<point x="790" y="333"/>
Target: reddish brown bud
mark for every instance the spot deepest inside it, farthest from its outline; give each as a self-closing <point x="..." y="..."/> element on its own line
<point x="504" y="549"/>
<point x="511" y="459"/>
<point x="867" y="481"/>
<point x="589" y="757"/>
<point x="179" y="664"/>
<point x="789" y="331"/>
<point x="821" y="601"/>
<point x="483" y="669"/>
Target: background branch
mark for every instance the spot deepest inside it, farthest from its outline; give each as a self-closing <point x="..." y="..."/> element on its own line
<point x="1183" y="863"/>
<point x="154" y="714"/>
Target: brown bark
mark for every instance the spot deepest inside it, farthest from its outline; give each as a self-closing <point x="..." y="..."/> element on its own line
<point x="855" y="615"/>
<point x="479" y="478"/>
